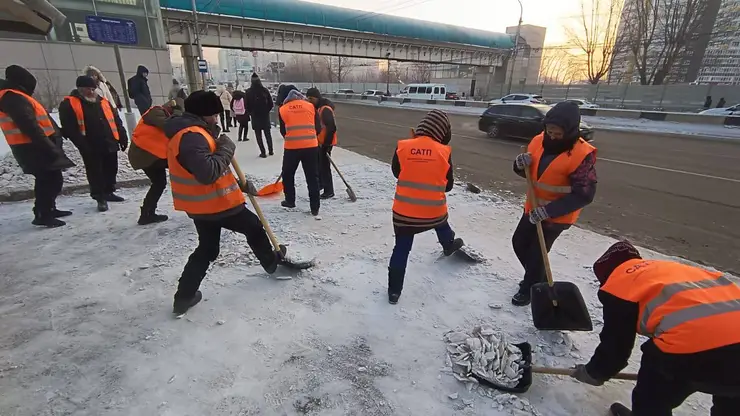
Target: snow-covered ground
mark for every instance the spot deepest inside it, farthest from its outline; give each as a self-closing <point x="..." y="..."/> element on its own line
<point x="86" y="324"/>
<point x="601" y="123"/>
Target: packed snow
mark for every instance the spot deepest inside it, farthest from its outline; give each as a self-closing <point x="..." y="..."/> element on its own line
<point x="87" y="329"/>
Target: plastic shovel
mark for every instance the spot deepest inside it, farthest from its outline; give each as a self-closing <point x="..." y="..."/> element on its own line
<point x="273" y="188"/>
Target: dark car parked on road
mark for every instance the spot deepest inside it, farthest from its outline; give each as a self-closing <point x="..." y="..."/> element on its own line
<point x="522" y="121"/>
<point x="451" y="96"/>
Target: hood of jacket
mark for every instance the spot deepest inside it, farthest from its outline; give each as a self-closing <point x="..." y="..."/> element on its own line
<point x="174" y="124"/>
<point x="140" y="70"/>
<point x="324" y="102"/>
<point x="283" y="91"/>
<point x="20" y="79"/>
<point x="256" y="83"/>
<point x="90" y="70"/>
<point x="294" y="95"/>
<point x="220" y="89"/>
<point x="567" y="116"/>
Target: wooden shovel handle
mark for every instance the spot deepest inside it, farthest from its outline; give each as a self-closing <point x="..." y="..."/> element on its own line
<point x="570" y="371"/>
<point x="243" y="184"/>
<point x="540" y="234"/>
<point x="338" y="171"/>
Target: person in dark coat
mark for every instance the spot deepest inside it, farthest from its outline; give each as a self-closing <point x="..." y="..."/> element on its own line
<point x="43" y="157"/>
<point x="721" y="103"/>
<point x="259" y="105"/>
<point x="327" y="131"/>
<point x="563" y="119"/>
<point x="138" y="89"/>
<point x="708" y="102"/>
<point x="239" y="110"/>
<point x="98" y="144"/>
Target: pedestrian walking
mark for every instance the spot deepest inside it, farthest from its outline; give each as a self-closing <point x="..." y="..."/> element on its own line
<point x="259" y="105"/>
<point x="721" y="103"/>
<point x="239" y="110"/>
<point x="298" y="121"/>
<point x="327" y="139"/>
<point x="561" y="165"/>
<point x="691" y="317"/>
<point x="423" y="167"/>
<point x="148" y="152"/>
<point x="95" y="128"/>
<point x="204" y="187"/>
<point x="35" y="141"/>
<point x="177" y="91"/>
<point x="225" y="115"/>
<point x="138" y="89"/>
<point x="708" y="102"/>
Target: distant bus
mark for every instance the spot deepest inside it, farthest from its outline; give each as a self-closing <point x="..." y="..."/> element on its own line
<point x="424" y="91"/>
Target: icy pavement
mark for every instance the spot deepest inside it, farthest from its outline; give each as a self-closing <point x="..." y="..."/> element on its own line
<point x="86" y="324"/>
<point x="602" y="123"/>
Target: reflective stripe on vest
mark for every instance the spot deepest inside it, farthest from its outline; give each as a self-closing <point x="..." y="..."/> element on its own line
<point x="684" y="309"/>
<point x="322" y="135"/>
<point x="12" y="133"/>
<point x="150" y="139"/>
<point x="420" y="190"/>
<point x="193" y="197"/>
<point x="554" y="183"/>
<point x="299" y="117"/>
<point x="76" y="104"/>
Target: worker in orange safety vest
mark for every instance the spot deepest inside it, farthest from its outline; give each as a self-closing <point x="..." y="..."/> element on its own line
<point x="327" y="136"/>
<point x="561" y="165"/>
<point x="148" y="152"/>
<point x="692" y="319"/>
<point x="423" y="167"/>
<point x="93" y="125"/>
<point x="35" y="142"/>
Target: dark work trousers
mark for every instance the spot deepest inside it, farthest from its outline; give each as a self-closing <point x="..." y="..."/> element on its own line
<point x="326" y="182"/>
<point x="402" y="249"/>
<point x="268" y="138"/>
<point x="101" y="168"/>
<point x="662" y="386"/>
<point x="527" y="248"/>
<point x="157" y="173"/>
<point x="209" y="242"/>
<point x="46" y="188"/>
<point x="243" y="131"/>
<point x="309" y="159"/>
<point x="225" y="120"/>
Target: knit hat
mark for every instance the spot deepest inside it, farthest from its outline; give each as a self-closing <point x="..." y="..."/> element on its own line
<point x="84" y="81"/>
<point x="313" y="92"/>
<point x="255" y="76"/>
<point x="203" y="103"/>
<point x="436" y="125"/>
<point x="20" y="76"/>
<point x="616" y="255"/>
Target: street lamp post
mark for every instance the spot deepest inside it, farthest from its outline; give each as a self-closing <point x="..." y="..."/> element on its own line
<point x="388" y="74"/>
<point x="197" y="41"/>
<point x="512" y="60"/>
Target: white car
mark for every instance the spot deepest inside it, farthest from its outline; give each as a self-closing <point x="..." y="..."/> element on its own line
<point x="373" y="93"/>
<point x="519" y="98"/>
<point x="726" y="111"/>
<point x="582" y="103"/>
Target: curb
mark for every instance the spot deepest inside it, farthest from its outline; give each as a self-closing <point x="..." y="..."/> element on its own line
<point x="26" y="194"/>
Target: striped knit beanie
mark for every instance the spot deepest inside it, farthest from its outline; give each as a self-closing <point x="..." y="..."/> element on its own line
<point x="617" y="254"/>
<point x="436" y="125"/>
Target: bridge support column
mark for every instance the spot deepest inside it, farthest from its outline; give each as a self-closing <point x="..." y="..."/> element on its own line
<point x="482" y="81"/>
<point x="190" y="63"/>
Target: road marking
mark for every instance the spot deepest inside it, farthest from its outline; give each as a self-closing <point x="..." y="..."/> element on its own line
<point x="621" y="162"/>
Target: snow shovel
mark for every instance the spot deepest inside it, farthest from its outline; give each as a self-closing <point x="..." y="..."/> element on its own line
<point x="279" y="248"/>
<point x="273" y="188"/>
<point x="555" y="305"/>
<point x="350" y="192"/>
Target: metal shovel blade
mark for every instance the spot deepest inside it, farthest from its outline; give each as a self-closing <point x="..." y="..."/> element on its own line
<point x="351" y="195"/>
<point x="567" y="313"/>
<point x="524" y="382"/>
<point x="470" y="254"/>
<point x="292" y="263"/>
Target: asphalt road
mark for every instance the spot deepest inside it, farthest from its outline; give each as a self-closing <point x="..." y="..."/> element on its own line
<point x="678" y="195"/>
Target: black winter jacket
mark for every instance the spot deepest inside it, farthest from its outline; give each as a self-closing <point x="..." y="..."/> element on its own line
<point x="327" y="119"/>
<point x="138" y="89"/>
<point x="99" y="136"/>
<point x="44" y="153"/>
<point x="196" y="157"/>
<point x="259" y="104"/>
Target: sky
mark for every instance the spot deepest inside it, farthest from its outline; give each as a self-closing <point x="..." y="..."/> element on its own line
<point x="491" y="15"/>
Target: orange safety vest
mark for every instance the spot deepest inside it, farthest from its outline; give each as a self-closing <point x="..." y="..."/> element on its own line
<point x="300" y="125"/>
<point x="555" y="182"/>
<point x="684" y="309"/>
<point x="107" y="111"/>
<point x="193" y="197"/>
<point x="150" y="138"/>
<point x="322" y="135"/>
<point x="420" y="190"/>
<point x="11" y="131"/>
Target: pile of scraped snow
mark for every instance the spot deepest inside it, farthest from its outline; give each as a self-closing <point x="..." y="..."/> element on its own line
<point x="87" y="328"/>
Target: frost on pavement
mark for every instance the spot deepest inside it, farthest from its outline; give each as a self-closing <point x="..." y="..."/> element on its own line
<point x="86" y="326"/>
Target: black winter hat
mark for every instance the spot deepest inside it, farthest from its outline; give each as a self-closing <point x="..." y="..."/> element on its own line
<point x="567" y="116"/>
<point x="203" y="103"/>
<point x="83" y="81"/>
<point x="21" y="77"/>
<point x="313" y="92"/>
<point x="617" y="254"/>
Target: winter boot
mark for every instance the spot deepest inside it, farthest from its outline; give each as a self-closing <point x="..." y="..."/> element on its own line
<point x="149" y="216"/>
<point x="271" y="265"/>
<point x="102" y="205"/>
<point x="395" y="284"/>
<point x="327" y="195"/>
<point x="111" y="197"/>
<point x="618" y="409"/>
<point x="521" y="298"/>
<point x="451" y="247"/>
<point x="48" y="221"/>
<point x="182" y="305"/>
<point x="263" y="156"/>
<point x="58" y="213"/>
<point x="287" y="204"/>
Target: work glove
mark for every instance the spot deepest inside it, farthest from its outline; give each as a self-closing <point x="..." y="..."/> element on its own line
<point x="249" y="188"/>
<point x="123" y="143"/>
<point x="523" y="160"/>
<point x="583" y="376"/>
<point x="225" y="147"/>
<point x="538" y="214"/>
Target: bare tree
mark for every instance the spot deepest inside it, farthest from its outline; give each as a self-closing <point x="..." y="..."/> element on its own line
<point x="596" y="35"/>
<point x="337" y="68"/>
<point x="48" y="91"/>
<point x="560" y="66"/>
<point x="419" y="73"/>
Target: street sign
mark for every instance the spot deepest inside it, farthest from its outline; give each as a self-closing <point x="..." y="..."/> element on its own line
<point x="202" y="66"/>
<point x="111" y="30"/>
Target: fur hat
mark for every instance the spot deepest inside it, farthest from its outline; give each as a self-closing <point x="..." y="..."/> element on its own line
<point x="617" y="254"/>
<point x="84" y="81"/>
<point x="203" y="103"/>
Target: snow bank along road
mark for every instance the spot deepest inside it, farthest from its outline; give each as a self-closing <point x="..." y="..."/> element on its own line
<point x="86" y="324"/>
<point x="674" y="193"/>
